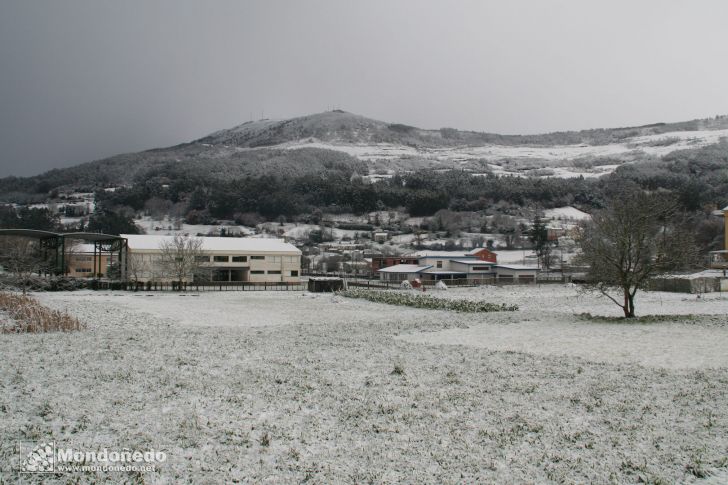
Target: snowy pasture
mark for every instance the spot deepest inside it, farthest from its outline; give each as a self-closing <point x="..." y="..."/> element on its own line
<point x="548" y="324"/>
<point x="287" y="387"/>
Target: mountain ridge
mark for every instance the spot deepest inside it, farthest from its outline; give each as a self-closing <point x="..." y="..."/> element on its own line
<point x="347" y="143"/>
<point x="347" y="127"/>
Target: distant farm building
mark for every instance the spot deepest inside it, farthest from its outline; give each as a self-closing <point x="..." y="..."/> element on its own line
<point x="380" y="237"/>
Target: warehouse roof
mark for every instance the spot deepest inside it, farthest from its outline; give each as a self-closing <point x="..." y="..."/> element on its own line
<point x="472" y="261"/>
<point x="404" y="268"/>
<point x="248" y="244"/>
<point x="517" y="267"/>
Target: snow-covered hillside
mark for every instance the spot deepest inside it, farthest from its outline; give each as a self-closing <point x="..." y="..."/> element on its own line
<point x="547" y="160"/>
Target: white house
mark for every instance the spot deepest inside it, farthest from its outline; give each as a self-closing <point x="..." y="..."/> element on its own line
<point x="226" y="258"/>
<point x="401" y="272"/>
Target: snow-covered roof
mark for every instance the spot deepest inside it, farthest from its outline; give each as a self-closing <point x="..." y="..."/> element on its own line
<point x="470" y="261"/>
<point x="248" y="244"/>
<point x="439" y="254"/>
<point x="567" y="212"/>
<point x="708" y="273"/>
<point x="518" y="267"/>
<point x="442" y="271"/>
<point x="404" y="268"/>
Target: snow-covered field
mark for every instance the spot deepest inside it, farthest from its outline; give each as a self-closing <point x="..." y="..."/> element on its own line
<point x="289" y="387"/>
<point x="546" y="326"/>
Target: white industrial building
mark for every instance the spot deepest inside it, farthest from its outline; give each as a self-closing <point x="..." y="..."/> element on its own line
<point x="231" y="259"/>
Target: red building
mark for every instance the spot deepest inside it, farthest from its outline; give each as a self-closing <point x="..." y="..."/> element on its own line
<point x="483" y="254"/>
<point x="387" y="261"/>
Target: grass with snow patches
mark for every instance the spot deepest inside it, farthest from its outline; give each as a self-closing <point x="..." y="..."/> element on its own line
<point x="424" y="301"/>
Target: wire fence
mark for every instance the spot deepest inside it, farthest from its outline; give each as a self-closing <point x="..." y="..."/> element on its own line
<point x="194" y="286"/>
<point x="355" y="281"/>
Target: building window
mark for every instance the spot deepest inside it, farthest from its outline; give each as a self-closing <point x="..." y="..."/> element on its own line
<point x="257" y="272"/>
<point x="240" y="259"/>
<point x="481" y="268"/>
<point x="257" y="257"/>
<point x="275" y="259"/>
<point x="294" y="273"/>
<point x="221" y="259"/>
<point x="291" y="259"/>
<point x="274" y="272"/>
<point x="202" y="259"/>
<point x="439" y="264"/>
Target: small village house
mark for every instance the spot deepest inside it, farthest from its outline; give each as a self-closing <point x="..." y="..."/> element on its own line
<point x="380" y="236"/>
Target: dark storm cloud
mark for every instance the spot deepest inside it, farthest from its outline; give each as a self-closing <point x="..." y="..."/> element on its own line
<point x="81" y="80"/>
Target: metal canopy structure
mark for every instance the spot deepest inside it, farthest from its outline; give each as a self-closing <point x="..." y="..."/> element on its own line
<point x="57" y="241"/>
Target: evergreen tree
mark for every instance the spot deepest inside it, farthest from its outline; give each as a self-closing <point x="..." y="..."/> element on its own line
<point x="539" y="237"/>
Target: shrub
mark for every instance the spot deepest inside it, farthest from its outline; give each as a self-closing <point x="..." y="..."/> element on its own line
<point x="424" y="301"/>
<point x="29" y="316"/>
<point x="37" y="283"/>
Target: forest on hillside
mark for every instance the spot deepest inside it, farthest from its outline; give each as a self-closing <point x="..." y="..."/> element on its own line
<point x="696" y="178"/>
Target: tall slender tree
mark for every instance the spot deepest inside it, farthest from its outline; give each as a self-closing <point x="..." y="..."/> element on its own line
<point x="539" y="237"/>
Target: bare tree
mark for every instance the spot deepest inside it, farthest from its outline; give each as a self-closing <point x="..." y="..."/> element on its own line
<point x="137" y="268"/>
<point x="182" y="258"/>
<point x="635" y="238"/>
<point x="22" y="257"/>
<point x="72" y="249"/>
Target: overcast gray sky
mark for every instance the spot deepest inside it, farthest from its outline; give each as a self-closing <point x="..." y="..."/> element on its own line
<point x="85" y="79"/>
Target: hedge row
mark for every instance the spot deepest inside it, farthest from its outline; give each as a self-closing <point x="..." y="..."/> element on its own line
<point x="425" y="301"/>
